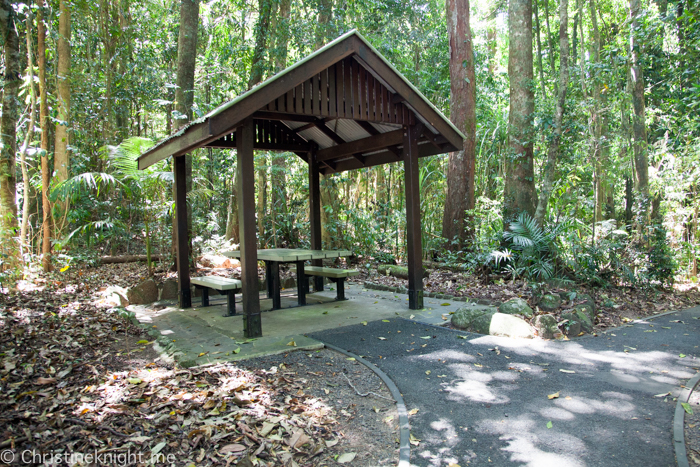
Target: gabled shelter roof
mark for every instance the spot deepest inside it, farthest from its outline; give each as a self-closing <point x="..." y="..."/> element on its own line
<point x="345" y="102"/>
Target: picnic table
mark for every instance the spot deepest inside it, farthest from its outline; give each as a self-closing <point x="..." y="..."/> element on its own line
<point x="273" y="257"/>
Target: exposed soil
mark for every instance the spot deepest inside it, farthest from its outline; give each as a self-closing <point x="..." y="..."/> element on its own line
<point x="75" y="378"/>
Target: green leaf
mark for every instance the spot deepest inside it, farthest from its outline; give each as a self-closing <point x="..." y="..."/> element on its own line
<point x="386" y="321"/>
<point x="682" y="355"/>
<point x="549" y="424"/>
<point x="238" y="350"/>
<point x="687" y="408"/>
<point x="445" y="304"/>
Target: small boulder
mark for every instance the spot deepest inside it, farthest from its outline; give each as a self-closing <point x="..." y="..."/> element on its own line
<point x="516" y="306"/>
<point x="550" y="302"/>
<point x="571" y="324"/>
<point x="482" y="324"/>
<point x="586" y="309"/>
<point x="546" y="326"/>
<point x="465" y="316"/>
<point x="145" y="292"/>
<point x="510" y="326"/>
<point x="586" y="321"/>
<point x="169" y="290"/>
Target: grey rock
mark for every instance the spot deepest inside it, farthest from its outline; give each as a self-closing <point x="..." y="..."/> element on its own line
<point x="510" y="326"/>
<point x="550" y="302"/>
<point x="145" y="292"/>
<point x="572" y="327"/>
<point x="546" y="326"/>
<point x="586" y="321"/>
<point x="465" y="316"/>
<point x="516" y="306"/>
<point x="586" y="309"/>
<point x="482" y="324"/>
<point x="169" y="290"/>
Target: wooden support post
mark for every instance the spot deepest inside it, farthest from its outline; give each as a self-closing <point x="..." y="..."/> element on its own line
<point x="245" y="138"/>
<point x="183" y="246"/>
<point x="413" y="220"/>
<point x="315" y="214"/>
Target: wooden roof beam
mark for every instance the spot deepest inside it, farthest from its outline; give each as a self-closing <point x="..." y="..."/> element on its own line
<point x="353" y="148"/>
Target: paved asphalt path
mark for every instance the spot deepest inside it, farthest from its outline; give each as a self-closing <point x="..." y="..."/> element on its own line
<point x="483" y="400"/>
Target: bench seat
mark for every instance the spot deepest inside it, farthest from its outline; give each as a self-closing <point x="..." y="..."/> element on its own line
<point x="334" y="274"/>
<point x="222" y="284"/>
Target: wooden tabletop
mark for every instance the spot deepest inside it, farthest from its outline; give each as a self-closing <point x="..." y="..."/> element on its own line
<point x="284" y="255"/>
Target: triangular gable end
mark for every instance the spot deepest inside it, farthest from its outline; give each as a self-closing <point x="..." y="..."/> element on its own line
<point x="345" y="96"/>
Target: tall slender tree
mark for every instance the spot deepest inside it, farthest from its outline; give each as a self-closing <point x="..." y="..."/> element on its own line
<point x="8" y="131"/>
<point x="461" y="166"/>
<point x="639" y="145"/>
<point x="29" y="134"/>
<point x="47" y="219"/>
<point x="184" y="91"/>
<point x="519" y="192"/>
<point x="554" y="149"/>
<point x="62" y="140"/>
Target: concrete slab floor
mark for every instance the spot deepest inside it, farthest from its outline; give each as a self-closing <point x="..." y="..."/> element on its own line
<point x="203" y="335"/>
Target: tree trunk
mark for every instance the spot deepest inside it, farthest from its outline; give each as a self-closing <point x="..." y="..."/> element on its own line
<point x="44" y="125"/>
<point x="184" y="91"/>
<point x="61" y="152"/>
<point x="561" y="88"/>
<point x="639" y="145"/>
<point x="232" y="231"/>
<point x="519" y="192"/>
<point x="28" y="137"/>
<point x="261" y="35"/>
<point x="8" y="125"/>
<point x="459" y="199"/>
<point x="325" y="13"/>
<point x="539" y="48"/>
<point x="491" y="39"/>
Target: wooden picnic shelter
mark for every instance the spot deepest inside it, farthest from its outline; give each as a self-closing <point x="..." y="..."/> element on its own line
<point x="341" y="108"/>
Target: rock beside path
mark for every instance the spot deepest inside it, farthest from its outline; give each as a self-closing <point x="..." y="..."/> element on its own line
<point x="516" y="306"/>
<point x="145" y="292"/>
<point x="546" y="326"/>
<point x="510" y="326"/>
<point x="550" y="302"/>
<point x="486" y="320"/>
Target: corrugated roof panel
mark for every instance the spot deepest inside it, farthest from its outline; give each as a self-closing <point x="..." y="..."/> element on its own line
<point x="318" y="136"/>
<point x="349" y="130"/>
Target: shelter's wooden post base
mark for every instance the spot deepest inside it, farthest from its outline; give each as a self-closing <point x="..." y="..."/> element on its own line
<point x="413" y="220"/>
<point x="251" y="323"/>
<point x="274" y="284"/>
<point x="230" y="303"/>
<point x="183" y="248"/>
<point x="245" y="135"/>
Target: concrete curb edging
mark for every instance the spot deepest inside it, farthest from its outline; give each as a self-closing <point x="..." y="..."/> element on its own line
<point x="679" y="422"/>
<point x="404" y="427"/>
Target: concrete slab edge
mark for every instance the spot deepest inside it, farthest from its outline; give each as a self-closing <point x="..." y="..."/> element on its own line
<point x="404" y="427"/>
<point x="679" y="421"/>
<point x="440" y="296"/>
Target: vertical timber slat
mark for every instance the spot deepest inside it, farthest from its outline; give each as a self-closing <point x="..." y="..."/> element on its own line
<point x="252" y="325"/>
<point x="324" y="93"/>
<point x="347" y="88"/>
<point x="413" y="220"/>
<point x="331" y="91"/>
<point x="183" y="244"/>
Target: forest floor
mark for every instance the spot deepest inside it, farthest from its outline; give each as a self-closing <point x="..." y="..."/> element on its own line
<point x="76" y="379"/>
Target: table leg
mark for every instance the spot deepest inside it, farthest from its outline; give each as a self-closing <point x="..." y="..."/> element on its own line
<point x="274" y="268"/>
<point x="205" y="296"/>
<point x="268" y="279"/>
<point x="300" y="283"/>
<point x="230" y="303"/>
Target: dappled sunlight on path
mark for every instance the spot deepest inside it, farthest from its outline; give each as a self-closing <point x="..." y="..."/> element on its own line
<point x="483" y="400"/>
